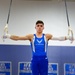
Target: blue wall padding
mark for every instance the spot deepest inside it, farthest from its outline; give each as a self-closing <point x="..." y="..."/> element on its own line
<point x="22" y="53"/>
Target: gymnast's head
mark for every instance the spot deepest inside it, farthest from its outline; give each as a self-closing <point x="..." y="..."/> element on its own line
<point x="39" y="26"/>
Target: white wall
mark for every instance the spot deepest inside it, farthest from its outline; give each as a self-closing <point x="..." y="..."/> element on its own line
<point x="24" y="14"/>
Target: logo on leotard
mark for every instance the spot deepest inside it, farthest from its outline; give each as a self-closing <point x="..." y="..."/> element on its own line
<point x="39" y="41"/>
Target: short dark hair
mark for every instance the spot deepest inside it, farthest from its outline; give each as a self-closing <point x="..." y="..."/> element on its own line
<point x="40" y="21"/>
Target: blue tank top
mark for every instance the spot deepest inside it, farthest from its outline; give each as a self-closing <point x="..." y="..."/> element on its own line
<point x="39" y="46"/>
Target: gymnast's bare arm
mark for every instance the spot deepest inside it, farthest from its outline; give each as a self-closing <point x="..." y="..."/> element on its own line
<point x="51" y="37"/>
<point x="27" y="37"/>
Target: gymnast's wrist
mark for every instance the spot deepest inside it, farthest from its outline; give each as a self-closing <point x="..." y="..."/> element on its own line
<point x="8" y="35"/>
<point x="66" y="37"/>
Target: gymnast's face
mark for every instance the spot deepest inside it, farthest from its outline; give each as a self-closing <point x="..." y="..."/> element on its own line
<point x="39" y="27"/>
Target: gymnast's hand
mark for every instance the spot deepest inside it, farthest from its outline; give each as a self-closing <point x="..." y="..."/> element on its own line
<point x="70" y="34"/>
<point x="5" y="34"/>
<point x="6" y="28"/>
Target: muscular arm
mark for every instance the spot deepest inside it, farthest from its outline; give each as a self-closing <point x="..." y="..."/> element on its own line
<point x="27" y="37"/>
<point x="50" y="37"/>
